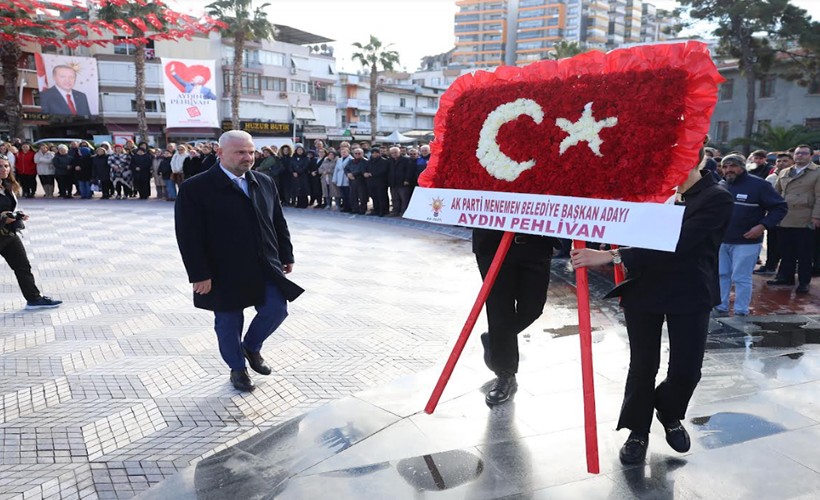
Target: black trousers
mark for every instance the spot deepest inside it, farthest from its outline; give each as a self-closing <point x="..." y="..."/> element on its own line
<point x="12" y="249"/>
<point x="29" y="184"/>
<point x="797" y="250"/>
<point x="516" y="300"/>
<point x="143" y="187"/>
<point x="772" y="249"/>
<point x="816" y="267"/>
<point x="687" y="342"/>
<point x="64" y="183"/>
<point x="377" y="189"/>
<point x="358" y="195"/>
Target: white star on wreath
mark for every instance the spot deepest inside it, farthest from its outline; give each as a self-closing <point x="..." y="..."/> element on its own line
<point x="587" y="128"/>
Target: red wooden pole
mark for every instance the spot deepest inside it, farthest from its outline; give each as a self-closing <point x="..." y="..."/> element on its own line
<point x="618" y="268"/>
<point x="470" y="323"/>
<point x="585" y="331"/>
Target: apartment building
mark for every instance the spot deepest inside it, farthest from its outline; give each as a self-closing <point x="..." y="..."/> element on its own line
<point x="494" y="32"/>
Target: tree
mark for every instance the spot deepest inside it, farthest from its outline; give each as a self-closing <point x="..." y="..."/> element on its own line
<point x="10" y="54"/>
<point x="111" y="13"/>
<point x="745" y="29"/>
<point x="243" y="23"/>
<point x="776" y="138"/>
<point x="565" y="49"/>
<point x="371" y="56"/>
<point x="51" y="23"/>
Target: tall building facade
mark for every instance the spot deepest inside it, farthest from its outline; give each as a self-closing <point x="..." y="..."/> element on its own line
<point x="494" y="32"/>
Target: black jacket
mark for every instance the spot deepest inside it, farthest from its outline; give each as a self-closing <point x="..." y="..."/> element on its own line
<point x="756" y="202"/>
<point x="684" y="281"/>
<point x="399" y="171"/>
<point x="236" y="241"/>
<point x="141" y="165"/>
<point x="378" y="168"/>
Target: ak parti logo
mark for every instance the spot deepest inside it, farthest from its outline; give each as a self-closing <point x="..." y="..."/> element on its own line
<point x="437" y="205"/>
<point x="194" y="111"/>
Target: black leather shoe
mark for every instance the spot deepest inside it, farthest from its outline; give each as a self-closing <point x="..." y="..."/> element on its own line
<point x="257" y="362"/>
<point x="485" y="342"/>
<point x="802" y="289"/>
<point x="242" y="381"/>
<point x="503" y="388"/>
<point x="676" y="434"/>
<point x="634" y="450"/>
<point x="780" y="282"/>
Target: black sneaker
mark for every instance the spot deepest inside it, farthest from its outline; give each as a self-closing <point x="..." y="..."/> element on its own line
<point x="43" y="303"/>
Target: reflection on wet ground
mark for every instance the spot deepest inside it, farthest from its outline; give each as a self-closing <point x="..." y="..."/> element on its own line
<point x="754" y="401"/>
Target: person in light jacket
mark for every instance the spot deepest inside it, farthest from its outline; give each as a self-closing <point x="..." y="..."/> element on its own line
<point x="45" y="169"/>
<point x="341" y="181"/>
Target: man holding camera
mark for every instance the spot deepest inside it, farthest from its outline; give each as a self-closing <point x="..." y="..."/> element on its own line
<point x="236" y="248"/>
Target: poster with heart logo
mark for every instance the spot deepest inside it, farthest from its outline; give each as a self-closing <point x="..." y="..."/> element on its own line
<point x="190" y="99"/>
<point x="597" y="133"/>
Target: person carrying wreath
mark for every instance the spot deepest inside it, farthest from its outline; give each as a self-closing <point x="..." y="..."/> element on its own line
<point x="680" y="288"/>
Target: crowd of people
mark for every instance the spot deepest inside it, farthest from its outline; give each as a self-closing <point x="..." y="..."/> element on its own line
<point x="347" y="178"/>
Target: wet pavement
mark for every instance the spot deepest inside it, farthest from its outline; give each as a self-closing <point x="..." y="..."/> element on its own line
<point x="121" y="392"/>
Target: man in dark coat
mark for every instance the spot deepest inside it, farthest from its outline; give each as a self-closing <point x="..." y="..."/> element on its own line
<point x="400" y="179"/>
<point x="236" y="248"/>
<point x="375" y="175"/>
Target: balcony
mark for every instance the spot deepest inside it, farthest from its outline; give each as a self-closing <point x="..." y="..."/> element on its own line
<point x="355" y="103"/>
<point x="424" y="110"/>
<point x="227" y="62"/>
<point x="396" y="110"/>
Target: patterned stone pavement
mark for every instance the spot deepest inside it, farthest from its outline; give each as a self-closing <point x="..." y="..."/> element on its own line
<point x="123" y="385"/>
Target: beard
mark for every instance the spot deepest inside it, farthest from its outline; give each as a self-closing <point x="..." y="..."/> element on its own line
<point x="730" y="178"/>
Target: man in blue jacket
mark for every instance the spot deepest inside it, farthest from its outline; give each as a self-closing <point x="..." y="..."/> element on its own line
<point x="757" y="207"/>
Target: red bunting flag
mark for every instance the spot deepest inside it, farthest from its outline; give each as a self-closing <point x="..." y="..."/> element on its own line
<point x="93" y="27"/>
<point x="108" y="26"/>
<point x="154" y="20"/>
<point x="79" y="29"/>
<point x="139" y="24"/>
<point x="124" y="26"/>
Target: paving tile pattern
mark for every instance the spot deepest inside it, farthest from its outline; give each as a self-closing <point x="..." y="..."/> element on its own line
<point x="123" y="385"/>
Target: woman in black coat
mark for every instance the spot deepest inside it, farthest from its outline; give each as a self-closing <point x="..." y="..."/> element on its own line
<point x="300" y="188"/>
<point x="680" y="287"/>
<point x="101" y="172"/>
<point x="285" y="175"/>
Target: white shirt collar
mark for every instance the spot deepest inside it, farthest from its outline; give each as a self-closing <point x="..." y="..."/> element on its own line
<point x="230" y="175"/>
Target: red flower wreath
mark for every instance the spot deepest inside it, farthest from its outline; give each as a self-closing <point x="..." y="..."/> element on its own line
<point x="623" y="125"/>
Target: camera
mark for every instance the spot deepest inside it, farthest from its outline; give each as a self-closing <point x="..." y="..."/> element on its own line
<point x="17" y="224"/>
<point x="16" y="215"/>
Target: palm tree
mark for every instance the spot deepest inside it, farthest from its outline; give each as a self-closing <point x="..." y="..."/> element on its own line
<point x="371" y="56"/>
<point x="564" y="49"/>
<point x="777" y="138"/>
<point x="243" y="23"/>
<point x="129" y="11"/>
<point x="10" y="53"/>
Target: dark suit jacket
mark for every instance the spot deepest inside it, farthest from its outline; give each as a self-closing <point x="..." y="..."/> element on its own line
<point x="684" y="281"/>
<point x="237" y="242"/>
<point x="53" y="103"/>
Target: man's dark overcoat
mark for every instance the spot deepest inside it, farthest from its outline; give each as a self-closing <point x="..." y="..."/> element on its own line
<point x="236" y="241"/>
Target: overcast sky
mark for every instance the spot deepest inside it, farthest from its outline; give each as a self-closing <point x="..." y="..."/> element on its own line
<point x="416" y="28"/>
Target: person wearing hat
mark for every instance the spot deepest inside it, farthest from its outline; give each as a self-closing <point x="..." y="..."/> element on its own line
<point x="757" y="208"/>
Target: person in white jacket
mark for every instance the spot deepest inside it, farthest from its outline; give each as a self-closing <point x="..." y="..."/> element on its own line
<point x="45" y="169"/>
<point x="341" y="181"/>
<point x="177" y="163"/>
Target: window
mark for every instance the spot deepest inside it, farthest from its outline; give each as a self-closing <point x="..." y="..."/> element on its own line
<point x="122" y="47"/>
<point x="251" y="83"/>
<point x="727" y="88"/>
<point x="531" y="34"/>
<point x="762" y="125"/>
<point x="722" y="132"/>
<point x="150" y="106"/>
<point x="269" y="58"/>
<point x="402" y="102"/>
<point x="299" y="87"/>
<point x="531" y="13"/>
<point x="767" y="87"/>
<point x="35" y="96"/>
<point x="274" y="84"/>
<point x="813" y="123"/>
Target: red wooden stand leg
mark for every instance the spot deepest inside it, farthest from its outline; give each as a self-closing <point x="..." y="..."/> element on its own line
<point x="585" y="331"/>
<point x="470" y="323"/>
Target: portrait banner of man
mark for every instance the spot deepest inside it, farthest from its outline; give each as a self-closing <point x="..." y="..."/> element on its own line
<point x="69" y="85"/>
<point x="190" y="100"/>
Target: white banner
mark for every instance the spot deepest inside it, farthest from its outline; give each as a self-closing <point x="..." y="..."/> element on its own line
<point x="190" y="97"/>
<point x="645" y="225"/>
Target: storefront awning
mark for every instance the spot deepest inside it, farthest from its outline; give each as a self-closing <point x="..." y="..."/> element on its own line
<point x="304" y="114"/>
